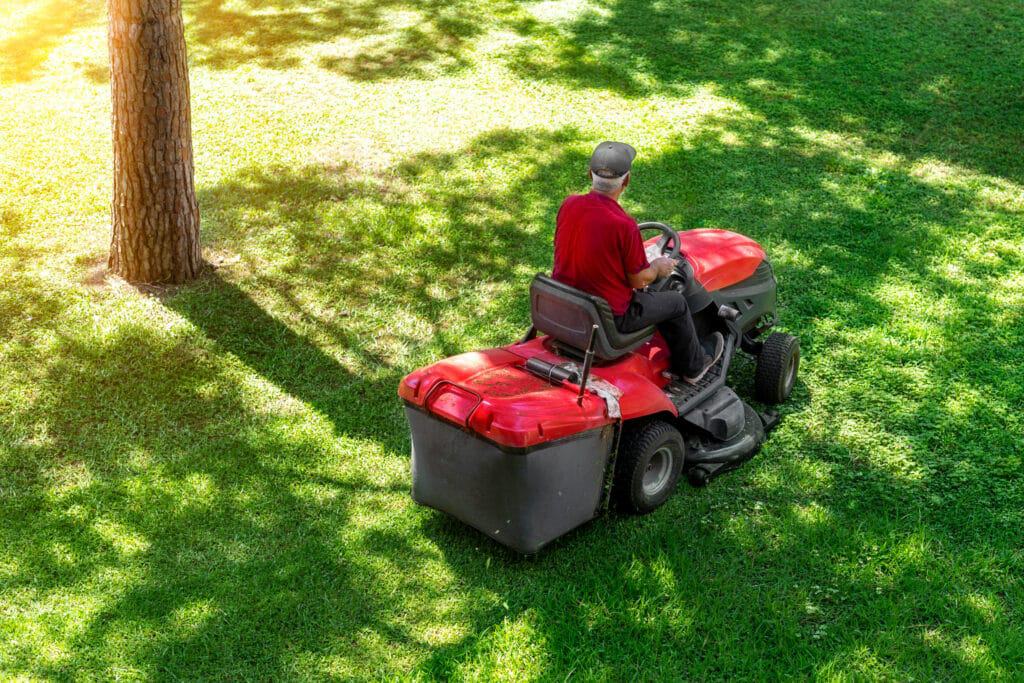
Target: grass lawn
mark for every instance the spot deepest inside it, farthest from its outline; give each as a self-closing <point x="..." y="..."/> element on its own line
<point x="213" y="481"/>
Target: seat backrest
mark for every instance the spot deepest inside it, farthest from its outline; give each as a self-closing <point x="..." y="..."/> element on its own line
<point x="568" y="315"/>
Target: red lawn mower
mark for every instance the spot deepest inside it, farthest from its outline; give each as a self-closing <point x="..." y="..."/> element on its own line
<point x="528" y="441"/>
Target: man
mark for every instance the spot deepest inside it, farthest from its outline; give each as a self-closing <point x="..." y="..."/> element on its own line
<point x="598" y="249"/>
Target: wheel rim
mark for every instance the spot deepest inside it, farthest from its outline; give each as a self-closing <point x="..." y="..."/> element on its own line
<point x="658" y="471"/>
<point x="791" y="373"/>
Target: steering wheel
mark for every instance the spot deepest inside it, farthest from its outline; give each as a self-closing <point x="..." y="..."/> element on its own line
<point x="668" y="245"/>
<point x="668" y="236"/>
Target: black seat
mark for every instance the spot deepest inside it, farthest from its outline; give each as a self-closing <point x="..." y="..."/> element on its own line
<point x="568" y="315"/>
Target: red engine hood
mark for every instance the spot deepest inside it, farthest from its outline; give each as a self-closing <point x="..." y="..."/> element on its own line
<point x="720" y="258"/>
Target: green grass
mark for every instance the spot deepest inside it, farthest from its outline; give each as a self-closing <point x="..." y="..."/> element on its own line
<point x="212" y="482"/>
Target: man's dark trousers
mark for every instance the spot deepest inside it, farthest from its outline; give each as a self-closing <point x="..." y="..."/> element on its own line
<point x="667" y="310"/>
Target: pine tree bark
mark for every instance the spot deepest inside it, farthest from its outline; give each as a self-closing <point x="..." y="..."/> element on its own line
<point x="154" y="211"/>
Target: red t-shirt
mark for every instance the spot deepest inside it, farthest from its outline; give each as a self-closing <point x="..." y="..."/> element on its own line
<point x="597" y="245"/>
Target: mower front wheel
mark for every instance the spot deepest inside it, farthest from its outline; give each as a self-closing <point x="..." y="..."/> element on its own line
<point x="776" y="368"/>
<point x="648" y="466"/>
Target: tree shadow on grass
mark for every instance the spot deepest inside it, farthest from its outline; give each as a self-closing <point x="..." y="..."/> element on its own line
<point x="336" y="253"/>
<point x="356" y="406"/>
<point x="434" y="37"/>
<point x="217" y="530"/>
<point x="920" y="79"/>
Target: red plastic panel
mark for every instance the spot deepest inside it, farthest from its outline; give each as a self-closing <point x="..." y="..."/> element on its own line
<point x="453" y="402"/>
<point x="515" y="409"/>
<point x="491" y="394"/>
<point x="637" y="375"/>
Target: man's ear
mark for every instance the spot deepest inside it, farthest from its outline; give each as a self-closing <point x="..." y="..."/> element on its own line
<point x="625" y="183"/>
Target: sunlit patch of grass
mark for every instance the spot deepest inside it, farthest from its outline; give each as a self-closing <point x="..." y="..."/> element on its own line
<point x="513" y="650"/>
<point x="30" y="31"/>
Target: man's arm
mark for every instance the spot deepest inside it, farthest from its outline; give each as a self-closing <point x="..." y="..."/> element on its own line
<point x="640" y="272"/>
<point x="660" y="267"/>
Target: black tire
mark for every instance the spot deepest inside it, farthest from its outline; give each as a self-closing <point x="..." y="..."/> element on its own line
<point x="777" y="365"/>
<point x="647" y="469"/>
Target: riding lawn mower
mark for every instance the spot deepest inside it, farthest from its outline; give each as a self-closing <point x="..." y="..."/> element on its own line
<point x="528" y="441"/>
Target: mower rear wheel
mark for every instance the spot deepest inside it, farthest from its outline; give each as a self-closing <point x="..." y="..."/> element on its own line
<point x="648" y="465"/>
<point x="777" y="365"/>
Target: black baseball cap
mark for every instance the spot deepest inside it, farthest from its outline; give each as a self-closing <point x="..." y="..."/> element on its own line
<point x="612" y="159"/>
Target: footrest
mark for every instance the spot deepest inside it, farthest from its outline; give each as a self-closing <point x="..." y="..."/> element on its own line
<point x="684" y="395"/>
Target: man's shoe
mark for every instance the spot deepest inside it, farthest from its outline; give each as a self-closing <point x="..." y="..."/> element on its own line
<point x="709" y="361"/>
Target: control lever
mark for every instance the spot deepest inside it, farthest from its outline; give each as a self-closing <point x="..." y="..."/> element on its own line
<point x="588" y="361"/>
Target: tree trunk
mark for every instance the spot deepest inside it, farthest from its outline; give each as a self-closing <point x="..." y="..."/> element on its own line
<point x="154" y="212"/>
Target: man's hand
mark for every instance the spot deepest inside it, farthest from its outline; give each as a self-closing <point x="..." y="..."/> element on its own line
<point x="660" y="267"/>
<point x="663" y="266"/>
